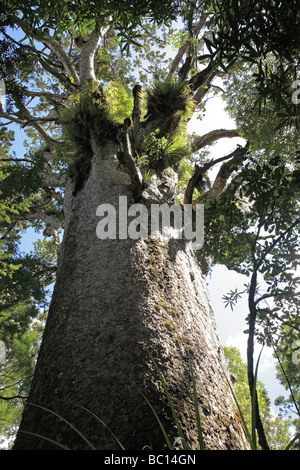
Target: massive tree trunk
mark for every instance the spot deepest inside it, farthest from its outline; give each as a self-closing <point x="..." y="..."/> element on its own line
<point x="113" y="299"/>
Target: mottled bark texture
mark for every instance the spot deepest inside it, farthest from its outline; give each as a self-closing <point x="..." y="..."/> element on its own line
<point x="111" y="299"/>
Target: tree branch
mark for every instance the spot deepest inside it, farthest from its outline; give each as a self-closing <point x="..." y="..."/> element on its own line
<point x="10" y="229"/>
<point x="200" y="142"/>
<point x="278" y="294"/>
<point x="126" y="158"/>
<point x="51" y="97"/>
<point x="250" y="359"/>
<point x="30" y="120"/>
<point x="9" y="117"/>
<point x="276" y="317"/>
<point x="194" y="181"/>
<point x="63" y="79"/>
<point x="45" y="61"/>
<point x="20" y="397"/>
<point x="53" y="221"/>
<point x="200" y="82"/>
<point x="24" y="118"/>
<point x="274" y="243"/>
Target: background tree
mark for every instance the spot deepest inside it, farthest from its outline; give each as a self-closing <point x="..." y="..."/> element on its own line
<point x="256" y="31"/>
<point x="277" y="429"/>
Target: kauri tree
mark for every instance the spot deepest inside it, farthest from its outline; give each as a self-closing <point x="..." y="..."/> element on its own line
<point x="106" y="107"/>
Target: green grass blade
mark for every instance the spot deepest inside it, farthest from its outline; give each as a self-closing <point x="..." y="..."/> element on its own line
<point x="198" y="420"/>
<point x="68" y="423"/>
<point x="46" y="439"/>
<point x="105" y="425"/>
<point x="170" y="401"/>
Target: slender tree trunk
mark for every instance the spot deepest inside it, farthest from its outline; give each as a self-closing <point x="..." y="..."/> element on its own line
<point x="112" y="299"/>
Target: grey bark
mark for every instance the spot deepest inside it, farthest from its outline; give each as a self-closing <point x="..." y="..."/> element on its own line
<point x="111" y="299"/>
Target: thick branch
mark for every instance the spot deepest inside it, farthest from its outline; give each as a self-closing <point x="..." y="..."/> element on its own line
<point x="126" y="158"/>
<point x="236" y="157"/>
<point x="62" y="56"/>
<point x="25" y="114"/>
<point x="196" y="179"/>
<point x="207" y="139"/>
<point x="88" y="52"/>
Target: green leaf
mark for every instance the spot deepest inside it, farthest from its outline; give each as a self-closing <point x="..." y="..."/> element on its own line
<point x="170" y="401"/>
